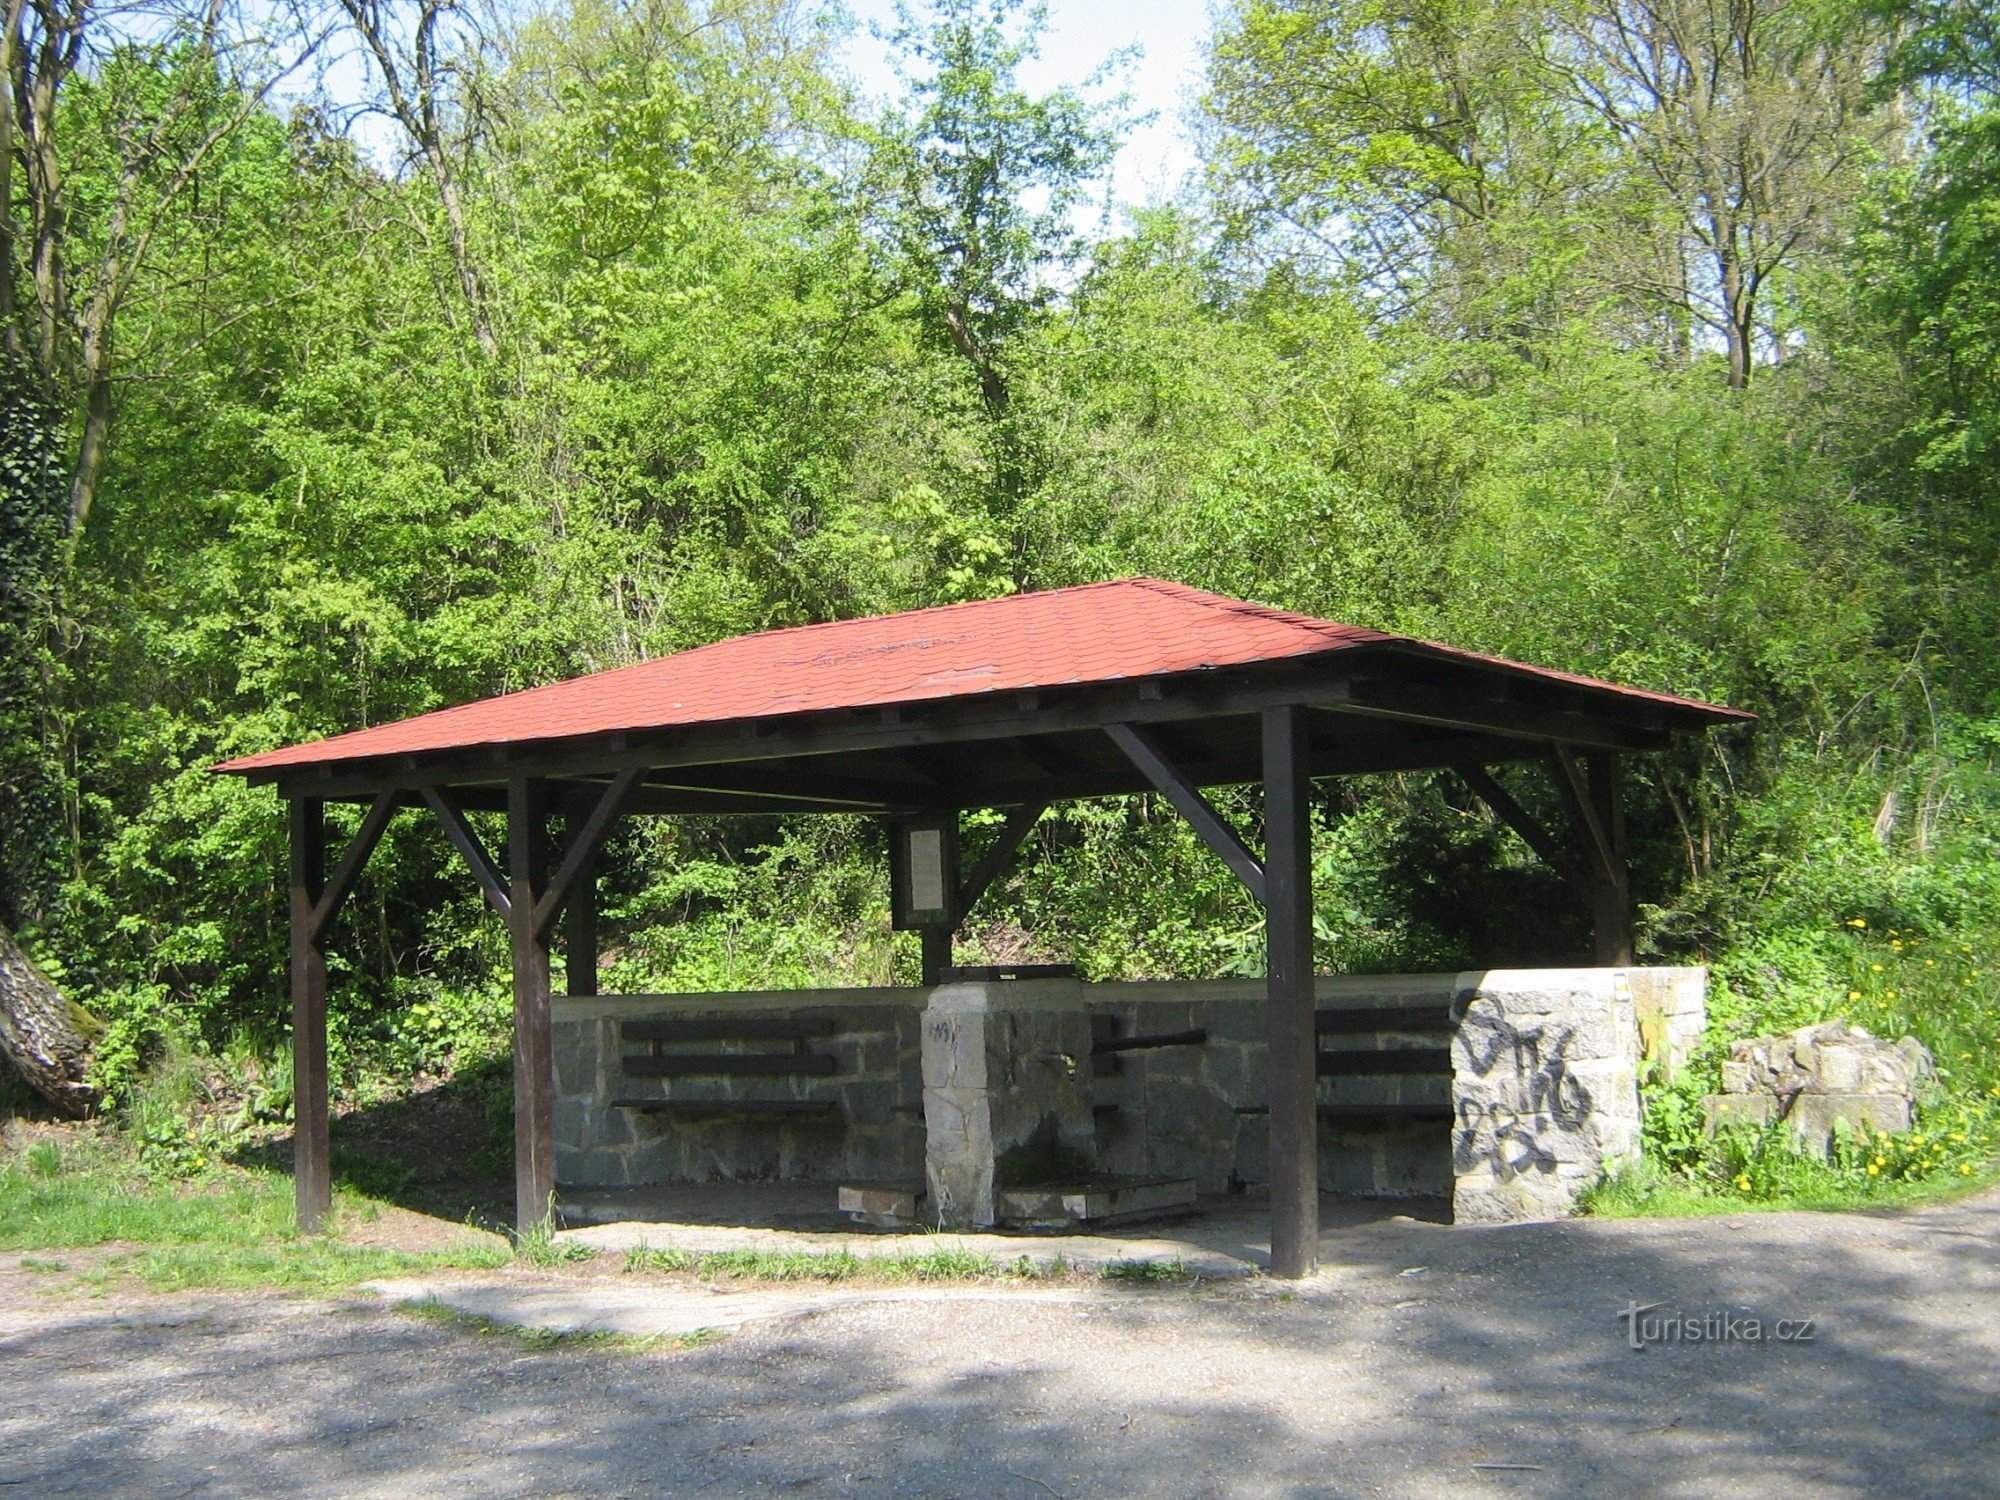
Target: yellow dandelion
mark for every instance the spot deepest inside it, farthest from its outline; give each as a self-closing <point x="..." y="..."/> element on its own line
<point x="1857" y="921"/>
<point x="1874" y="1169"/>
<point x="1854" y="994"/>
<point x="1891" y="994"/>
<point x="1966" y="1169"/>
<point x="1875" y="968"/>
<point x="1743" y="1182"/>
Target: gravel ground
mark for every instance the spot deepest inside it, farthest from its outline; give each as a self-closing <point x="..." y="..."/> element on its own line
<point x="1427" y="1361"/>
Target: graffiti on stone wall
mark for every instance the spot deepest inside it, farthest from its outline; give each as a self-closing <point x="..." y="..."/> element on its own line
<point x="1524" y="1095"/>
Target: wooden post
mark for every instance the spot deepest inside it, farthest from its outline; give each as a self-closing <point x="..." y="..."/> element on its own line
<point x="580" y="933"/>
<point x="937" y="953"/>
<point x="1292" y="1068"/>
<point x="1611" y="900"/>
<point x="534" y="1051"/>
<point x="312" y="1151"/>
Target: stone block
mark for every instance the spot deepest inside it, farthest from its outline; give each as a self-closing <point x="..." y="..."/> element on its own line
<point x="576" y="1055"/>
<point x="1414" y="1163"/>
<point x="1811" y="1118"/>
<point x="1346" y="1162"/>
<point x="1234" y="1071"/>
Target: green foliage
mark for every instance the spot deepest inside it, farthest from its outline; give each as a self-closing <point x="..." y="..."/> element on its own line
<point x="762" y="361"/>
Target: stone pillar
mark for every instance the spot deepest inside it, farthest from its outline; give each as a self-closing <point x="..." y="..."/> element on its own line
<point x="1007" y="1083"/>
<point x="1545" y="1090"/>
<point x="1672" y="1007"/>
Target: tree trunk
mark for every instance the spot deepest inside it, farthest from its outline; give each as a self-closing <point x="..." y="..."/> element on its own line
<point x="47" y="1036"/>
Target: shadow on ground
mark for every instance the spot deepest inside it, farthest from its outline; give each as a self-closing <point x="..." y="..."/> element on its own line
<point x="1426" y="1361"/>
<point x="446" y="1150"/>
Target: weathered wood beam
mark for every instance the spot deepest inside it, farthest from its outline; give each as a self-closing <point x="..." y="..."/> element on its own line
<point x="341" y="883"/>
<point x="312" y="1150"/>
<point x="1603" y="858"/>
<point x="1611" y="901"/>
<point x="584" y="846"/>
<point x="534" y="1044"/>
<point x="1292" y="1080"/>
<point x="1518" y="818"/>
<point x="1140" y="701"/>
<point x="1013" y="833"/>
<point x="465" y="839"/>
<point x="1140" y="748"/>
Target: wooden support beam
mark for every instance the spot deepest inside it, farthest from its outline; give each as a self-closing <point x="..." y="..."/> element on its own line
<point x="580" y="934"/>
<point x="1144" y="753"/>
<point x="936" y="953"/>
<point x="584" y="846"/>
<point x="1291" y="1025"/>
<point x="341" y="883"/>
<point x="1518" y="818"/>
<point x="534" y="1048"/>
<point x="312" y="1151"/>
<point x="1292" y="1077"/>
<point x="1013" y="833"/>
<point x="492" y="884"/>
<point x="1611" y="900"/>
<point x="1602" y="858"/>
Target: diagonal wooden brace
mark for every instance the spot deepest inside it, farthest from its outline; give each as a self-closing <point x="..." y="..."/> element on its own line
<point x="584" y="846"/>
<point x="341" y="883"/>
<point x="1141" y="750"/>
<point x="1518" y="818"/>
<point x="1013" y="833"/>
<point x="1597" y="844"/>
<point x="492" y="884"/>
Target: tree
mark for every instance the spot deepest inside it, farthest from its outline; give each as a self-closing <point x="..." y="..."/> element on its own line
<point x="1753" y="121"/>
<point x="1647" y="166"/>
<point x="981" y="181"/>
<point x="114" y="112"/>
<point x="418" y="55"/>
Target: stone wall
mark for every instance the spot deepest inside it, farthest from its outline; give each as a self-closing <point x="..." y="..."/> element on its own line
<point x="1178" y="1109"/>
<point x="1542" y="1096"/>
<point x="1545" y="1089"/>
<point x="876" y="1132"/>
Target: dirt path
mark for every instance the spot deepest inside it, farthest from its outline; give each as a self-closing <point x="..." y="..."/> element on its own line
<point x="1430" y="1361"/>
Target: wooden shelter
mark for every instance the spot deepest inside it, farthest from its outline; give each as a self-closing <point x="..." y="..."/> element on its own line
<point x="1128" y="686"/>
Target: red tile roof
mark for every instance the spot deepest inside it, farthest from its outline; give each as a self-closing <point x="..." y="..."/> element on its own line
<point x="1098" y="632"/>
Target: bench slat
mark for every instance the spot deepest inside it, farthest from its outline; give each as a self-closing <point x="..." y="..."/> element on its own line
<point x="1367" y="1114"/>
<point x="731" y="1065"/>
<point x="1347" y="1020"/>
<point x="725" y="1028"/>
<point x="738" y="1107"/>
<point x="1398" y="1060"/>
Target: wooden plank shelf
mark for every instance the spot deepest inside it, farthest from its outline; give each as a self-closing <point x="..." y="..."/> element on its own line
<point x="1371" y="1063"/>
<point x="1368" y="1114"/>
<point x="731" y="1065"/>
<point x="731" y="1108"/>
<point x="1352" y="1020"/>
<point x="725" y="1028"/>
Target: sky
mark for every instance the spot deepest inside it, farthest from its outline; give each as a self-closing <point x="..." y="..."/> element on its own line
<point x="1080" y="36"/>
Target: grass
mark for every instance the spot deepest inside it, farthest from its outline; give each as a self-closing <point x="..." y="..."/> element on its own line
<point x="1645" y="1192"/>
<point x="944" y="1264"/>
<point x="543" y="1340"/>
<point x="229" y="1229"/>
<point x="939" y="1265"/>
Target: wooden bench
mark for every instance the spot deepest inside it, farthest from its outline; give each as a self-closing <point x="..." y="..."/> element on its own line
<point x="1392" y="1060"/>
<point x="660" y="1032"/>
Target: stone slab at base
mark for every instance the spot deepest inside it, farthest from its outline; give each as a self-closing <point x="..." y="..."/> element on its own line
<point x="884" y="1205"/>
<point x="1110" y="1200"/>
<point x="1811" y="1117"/>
